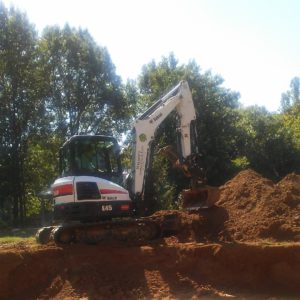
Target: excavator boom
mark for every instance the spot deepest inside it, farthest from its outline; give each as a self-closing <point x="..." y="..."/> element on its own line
<point x="179" y="99"/>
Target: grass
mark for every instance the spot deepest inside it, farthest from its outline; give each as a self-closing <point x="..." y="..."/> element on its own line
<point x="15" y="239"/>
<point x="17" y="235"/>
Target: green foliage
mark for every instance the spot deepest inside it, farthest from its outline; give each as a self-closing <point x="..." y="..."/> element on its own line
<point x="241" y="163"/>
<point x="41" y="169"/>
<point x="161" y="191"/>
<point x="84" y="93"/>
<point x="42" y="161"/>
<point x="292" y="96"/>
<point x="268" y="146"/>
<point x="217" y="117"/>
<point x="291" y="122"/>
<point x="20" y="105"/>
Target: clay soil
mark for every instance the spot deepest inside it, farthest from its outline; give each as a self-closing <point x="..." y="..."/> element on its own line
<point x="246" y="247"/>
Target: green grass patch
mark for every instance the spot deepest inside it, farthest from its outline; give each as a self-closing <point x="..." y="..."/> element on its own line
<point x="17" y="235"/>
<point x="15" y="239"/>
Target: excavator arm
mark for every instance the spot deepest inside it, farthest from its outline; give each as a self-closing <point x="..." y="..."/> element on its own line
<point x="179" y="99"/>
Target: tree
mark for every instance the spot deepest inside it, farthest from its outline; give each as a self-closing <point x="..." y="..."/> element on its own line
<point x="217" y="117"/>
<point x="84" y="93"/>
<point x="20" y="103"/>
<point x="292" y="96"/>
<point x="267" y="144"/>
<point x="40" y="168"/>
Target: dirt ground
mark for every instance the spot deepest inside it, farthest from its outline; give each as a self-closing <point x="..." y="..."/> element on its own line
<point x="246" y="247"/>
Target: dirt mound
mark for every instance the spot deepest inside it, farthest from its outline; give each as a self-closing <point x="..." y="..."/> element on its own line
<point x="251" y="208"/>
<point x="259" y="209"/>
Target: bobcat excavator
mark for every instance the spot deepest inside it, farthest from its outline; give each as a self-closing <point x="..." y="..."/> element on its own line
<point x="90" y="203"/>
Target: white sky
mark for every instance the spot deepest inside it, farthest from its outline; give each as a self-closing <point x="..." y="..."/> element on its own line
<point x="253" y="44"/>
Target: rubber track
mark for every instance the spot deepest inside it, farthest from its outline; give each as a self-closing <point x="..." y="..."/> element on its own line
<point x="124" y="230"/>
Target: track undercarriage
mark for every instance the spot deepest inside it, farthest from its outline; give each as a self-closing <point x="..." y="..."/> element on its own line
<point x="127" y="230"/>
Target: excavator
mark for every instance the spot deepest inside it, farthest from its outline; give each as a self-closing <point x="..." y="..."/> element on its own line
<point x="91" y="203"/>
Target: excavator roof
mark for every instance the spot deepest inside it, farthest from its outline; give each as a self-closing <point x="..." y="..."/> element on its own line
<point x="90" y="137"/>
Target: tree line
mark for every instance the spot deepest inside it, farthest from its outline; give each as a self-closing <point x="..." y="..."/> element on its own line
<point x="63" y="83"/>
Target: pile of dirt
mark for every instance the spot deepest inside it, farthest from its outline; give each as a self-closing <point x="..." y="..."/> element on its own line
<point x="251" y="208"/>
<point x="259" y="209"/>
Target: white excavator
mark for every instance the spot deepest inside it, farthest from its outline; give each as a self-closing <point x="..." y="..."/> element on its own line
<point x="91" y="203"/>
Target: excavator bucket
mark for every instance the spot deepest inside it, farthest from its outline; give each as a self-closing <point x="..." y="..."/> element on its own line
<point x="200" y="198"/>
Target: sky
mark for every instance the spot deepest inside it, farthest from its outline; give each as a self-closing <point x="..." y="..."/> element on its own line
<point x="253" y="44"/>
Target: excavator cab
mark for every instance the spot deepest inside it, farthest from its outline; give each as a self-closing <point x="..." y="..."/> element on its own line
<point x="86" y="155"/>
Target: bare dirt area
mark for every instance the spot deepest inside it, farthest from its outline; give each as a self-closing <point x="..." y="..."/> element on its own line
<point x="246" y="247"/>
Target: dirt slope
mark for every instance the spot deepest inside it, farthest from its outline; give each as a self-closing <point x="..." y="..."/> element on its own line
<point x="162" y="270"/>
